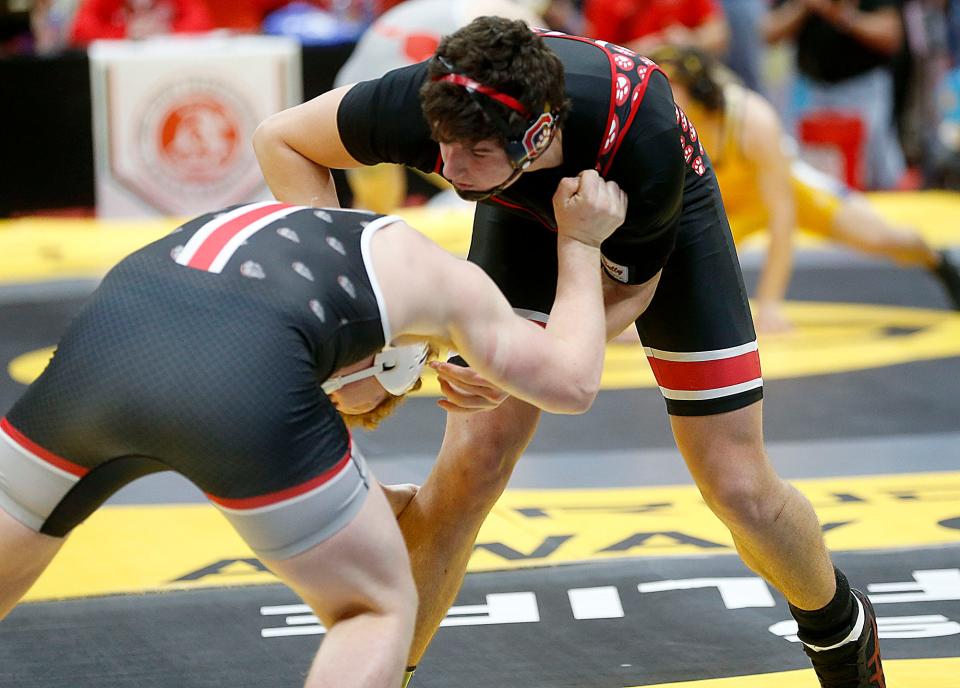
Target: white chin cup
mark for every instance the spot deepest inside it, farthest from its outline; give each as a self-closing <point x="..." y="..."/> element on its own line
<point x="397" y="369"/>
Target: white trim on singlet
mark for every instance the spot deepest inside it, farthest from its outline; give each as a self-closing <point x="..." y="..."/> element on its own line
<point x="204" y="232"/>
<point x="714" y="355"/>
<point x="226" y="253"/>
<point x="716" y="393"/>
<point x="38" y="460"/>
<point x="365" y="239"/>
<point x="535" y="316"/>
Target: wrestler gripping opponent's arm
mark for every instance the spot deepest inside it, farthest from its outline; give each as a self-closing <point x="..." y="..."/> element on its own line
<point x="430" y="294"/>
<point x="289" y="149"/>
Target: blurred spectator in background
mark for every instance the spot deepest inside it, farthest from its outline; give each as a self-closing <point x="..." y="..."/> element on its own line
<point x="409" y="33"/>
<point x="922" y="69"/>
<point x="561" y="15"/>
<point x="745" y="46"/>
<point x="844" y="54"/>
<point x="642" y="25"/>
<point x="138" y="19"/>
<point x="947" y="158"/>
<point x="764" y="186"/>
<point x="953" y="31"/>
<point x="35" y="26"/>
<point x="15" y="38"/>
<point x="51" y="22"/>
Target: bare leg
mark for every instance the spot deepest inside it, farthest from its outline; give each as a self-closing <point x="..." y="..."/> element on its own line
<point x="861" y="227"/>
<point x="359" y="584"/>
<point x="24" y="554"/>
<point x="440" y="524"/>
<point x="774" y="526"/>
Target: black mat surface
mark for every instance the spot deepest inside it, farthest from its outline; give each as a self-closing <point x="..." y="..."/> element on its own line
<point x="216" y="637"/>
<point x="231" y="637"/>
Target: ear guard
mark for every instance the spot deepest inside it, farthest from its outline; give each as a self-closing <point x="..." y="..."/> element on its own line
<point x="397" y="369"/>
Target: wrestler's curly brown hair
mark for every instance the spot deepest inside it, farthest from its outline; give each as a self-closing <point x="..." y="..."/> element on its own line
<point x="503" y="54"/>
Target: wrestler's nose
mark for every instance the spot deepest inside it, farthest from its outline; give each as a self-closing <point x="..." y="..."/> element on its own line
<point x="454" y="161"/>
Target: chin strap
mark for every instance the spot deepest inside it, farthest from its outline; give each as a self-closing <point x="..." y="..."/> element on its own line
<point x="483" y="195"/>
<point x="408" y="675"/>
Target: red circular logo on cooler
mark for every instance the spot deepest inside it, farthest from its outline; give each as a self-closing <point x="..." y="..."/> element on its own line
<point x="198" y="136"/>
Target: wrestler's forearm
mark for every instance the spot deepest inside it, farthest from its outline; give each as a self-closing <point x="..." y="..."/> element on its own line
<point x="557" y="368"/>
<point x="777" y="194"/>
<point x="778" y="268"/>
<point x="577" y="324"/>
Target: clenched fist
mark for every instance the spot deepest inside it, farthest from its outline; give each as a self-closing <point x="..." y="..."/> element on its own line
<point x="588" y="208"/>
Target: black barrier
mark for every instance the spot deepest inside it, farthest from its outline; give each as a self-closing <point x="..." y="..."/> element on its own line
<point x="46" y="136"/>
<point x="46" y="132"/>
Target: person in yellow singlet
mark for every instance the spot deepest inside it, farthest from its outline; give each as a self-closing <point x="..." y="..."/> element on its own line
<point x="765" y="186"/>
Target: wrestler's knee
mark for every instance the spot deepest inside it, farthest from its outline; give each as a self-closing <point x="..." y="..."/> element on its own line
<point x="479" y="476"/>
<point x="400" y="599"/>
<point x="747" y="497"/>
<point x="479" y="453"/>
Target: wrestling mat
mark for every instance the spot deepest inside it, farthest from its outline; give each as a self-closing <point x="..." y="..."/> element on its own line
<point x="601" y="567"/>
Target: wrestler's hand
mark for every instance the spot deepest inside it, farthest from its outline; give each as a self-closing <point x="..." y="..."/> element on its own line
<point x="589" y="208"/>
<point x="770" y="319"/>
<point x="465" y="390"/>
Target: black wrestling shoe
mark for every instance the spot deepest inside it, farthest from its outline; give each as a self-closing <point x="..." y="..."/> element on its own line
<point x="856" y="664"/>
<point x="948" y="272"/>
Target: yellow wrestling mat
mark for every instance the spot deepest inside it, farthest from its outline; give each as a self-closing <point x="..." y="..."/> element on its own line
<point x="829" y="338"/>
<point x="37" y="249"/>
<point x="123" y="549"/>
<point x="900" y="673"/>
<point x="899" y="524"/>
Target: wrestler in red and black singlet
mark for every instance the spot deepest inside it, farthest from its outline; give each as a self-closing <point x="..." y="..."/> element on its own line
<point x="697" y="332"/>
